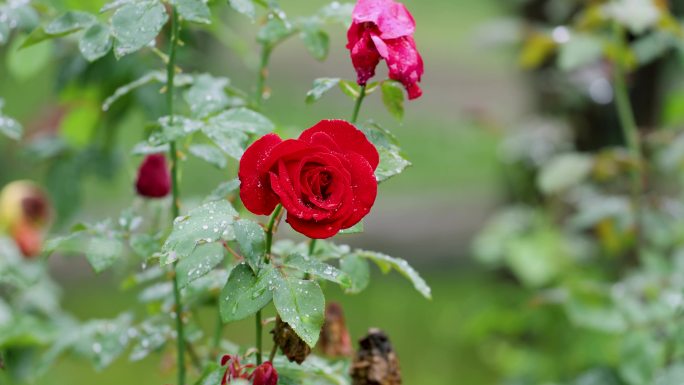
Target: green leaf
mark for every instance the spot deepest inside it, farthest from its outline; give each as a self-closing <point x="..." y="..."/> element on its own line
<point x="252" y="240"/>
<point x="150" y="336"/>
<point x="207" y="95"/>
<point x="244" y="294"/>
<point x="224" y="190"/>
<point x="102" y="252"/>
<point x="210" y="154"/>
<point x="358" y="270"/>
<point x="193" y="10"/>
<point x="579" y="51"/>
<point x="245" y="7"/>
<point x="25" y="63"/>
<point x="205" y="224"/>
<point x="316" y="41"/>
<point x="393" y="98"/>
<point x="180" y="128"/>
<point x="563" y="172"/>
<point x="275" y="31"/>
<point x="115" y="4"/>
<point x="10" y="127"/>
<point x="69" y="22"/>
<point x="154" y="76"/>
<point x="95" y="42"/>
<point x="391" y="161"/>
<point x="301" y="304"/>
<point x="135" y="25"/>
<point x="391" y="164"/>
<point x="78" y="125"/>
<point x="317" y="269"/>
<point x="230" y="129"/>
<point x="387" y="263"/>
<point x="202" y="260"/>
<point x="320" y="87"/>
<point x="350" y="88"/>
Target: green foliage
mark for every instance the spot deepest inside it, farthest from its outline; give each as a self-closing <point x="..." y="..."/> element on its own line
<point x="393" y="98"/>
<point x="8" y="126"/>
<point x="135" y="25"/>
<point x="245" y="292"/>
<point x="252" y="240"/>
<point x="301" y="304"/>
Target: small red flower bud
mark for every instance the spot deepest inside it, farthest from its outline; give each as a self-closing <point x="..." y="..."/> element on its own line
<point x="265" y="374"/>
<point x="154" y="179"/>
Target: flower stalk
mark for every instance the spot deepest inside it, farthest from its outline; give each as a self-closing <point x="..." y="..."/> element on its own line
<point x="630" y="131"/>
<point x="175" y="204"/>
<point x="269" y="241"/>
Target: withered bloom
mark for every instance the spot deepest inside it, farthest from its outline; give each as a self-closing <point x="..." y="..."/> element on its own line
<point x="25" y="213"/>
<point x="376" y="363"/>
<point x="293" y="347"/>
<point x="335" y="341"/>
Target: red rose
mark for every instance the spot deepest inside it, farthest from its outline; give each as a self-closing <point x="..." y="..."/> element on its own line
<point x="154" y="179"/>
<point x="265" y="374"/>
<point x="325" y="179"/>
<point x="384" y="29"/>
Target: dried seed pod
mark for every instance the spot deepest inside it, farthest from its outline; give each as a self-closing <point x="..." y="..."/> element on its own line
<point x="375" y="363"/>
<point x="293" y="347"/>
<point x="335" y="341"/>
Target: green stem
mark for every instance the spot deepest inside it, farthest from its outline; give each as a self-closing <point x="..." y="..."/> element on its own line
<point x="630" y="131"/>
<point x="269" y="241"/>
<point x="312" y="246"/>
<point x="175" y="204"/>
<point x="262" y="75"/>
<point x="274" y="350"/>
<point x="359" y="102"/>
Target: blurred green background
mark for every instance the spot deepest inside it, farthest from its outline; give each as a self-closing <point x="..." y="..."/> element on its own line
<point x="428" y="215"/>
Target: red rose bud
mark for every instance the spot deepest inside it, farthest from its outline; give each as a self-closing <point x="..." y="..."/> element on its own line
<point x="383" y="29"/>
<point x="292" y="346"/>
<point x="154" y="179"/>
<point x="24" y="215"/>
<point x="335" y="341"/>
<point x="375" y="363"/>
<point x="325" y="179"/>
<point x="265" y="374"/>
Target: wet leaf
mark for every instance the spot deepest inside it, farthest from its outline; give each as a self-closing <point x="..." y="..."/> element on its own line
<point x="252" y="240"/>
<point x="318" y="269"/>
<point x="136" y="25"/>
<point x="320" y="87"/>
<point x="193" y="10"/>
<point x="301" y="304"/>
<point x="210" y="154"/>
<point x="200" y="262"/>
<point x="95" y="42"/>
<point x="393" y="98"/>
<point x="358" y="270"/>
<point x="69" y="22"/>
<point x="205" y="224"/>
<point x="244" y="294"/>
<point x="387" y="263"/>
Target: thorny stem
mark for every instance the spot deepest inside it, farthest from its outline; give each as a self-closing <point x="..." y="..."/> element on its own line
<point x="274" y="350"/>
<point x="630" y="131"/>
<point x="262" y="75"/>
<point x="269" y="241"/>
<point x="175" y="204"/>
<point x="359" y="102"/>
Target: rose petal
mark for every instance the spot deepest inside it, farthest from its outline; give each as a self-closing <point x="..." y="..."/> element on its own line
<point x="255" y="189"/>
<point x="364" y="55"/>
<point x="405" y="64"/>
<point x="364" y="189"/>
<point x="392" y="18"/>
<point x="347" y="137"/>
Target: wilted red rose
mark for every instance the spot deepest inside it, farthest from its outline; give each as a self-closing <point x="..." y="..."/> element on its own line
<point x="234" y="370"/>
<point x="325" y="179"/>
<point x="24" y="214"/>
<point x="335" y="340"/>
<point x="154" y="179"/>
<point x="265" y="374"/>
<point x="383" y="29"/>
